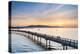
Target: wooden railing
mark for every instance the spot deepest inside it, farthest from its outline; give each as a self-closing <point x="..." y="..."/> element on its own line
<point x="63" y="41"/>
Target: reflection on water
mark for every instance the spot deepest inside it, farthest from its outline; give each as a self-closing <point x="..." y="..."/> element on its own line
<point x="70" y="33"/>
<point x="23" y="44"/>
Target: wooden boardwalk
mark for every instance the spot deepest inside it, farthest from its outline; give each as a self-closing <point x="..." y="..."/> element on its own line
<point x="63" y="41"/>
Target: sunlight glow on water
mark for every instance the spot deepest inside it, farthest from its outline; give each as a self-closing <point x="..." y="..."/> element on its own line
<point x="23" y="44"/>
<point x="70" y="33"/>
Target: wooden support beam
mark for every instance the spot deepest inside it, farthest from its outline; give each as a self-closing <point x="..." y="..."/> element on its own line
<point x="63" y="41"/>
<point x="66" y="47"/>
<point x="46" y="43"/>
<point x="37" y="39"/>
<point x="28" y="35"/>
<point x="40" y="40"/>
<point x="34" y="38"/>
<point x="49" y="44"/>
<point x="63" y="47"/>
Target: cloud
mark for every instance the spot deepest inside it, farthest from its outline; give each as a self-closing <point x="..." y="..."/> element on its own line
<point x="46" y="10"/>
<point x="45" y="14"/>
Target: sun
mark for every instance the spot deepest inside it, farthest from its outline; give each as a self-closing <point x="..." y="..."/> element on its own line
<point x="60" y="24"/>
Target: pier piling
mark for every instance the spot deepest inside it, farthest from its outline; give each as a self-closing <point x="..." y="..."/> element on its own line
<point x="37" y="36"/>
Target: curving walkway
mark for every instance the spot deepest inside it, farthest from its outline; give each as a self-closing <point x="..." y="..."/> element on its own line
<point x="21" y="44"/>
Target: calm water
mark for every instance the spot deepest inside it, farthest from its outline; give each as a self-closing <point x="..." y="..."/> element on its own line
<point x="23" y="44"/>
<point x="70" y="33"/>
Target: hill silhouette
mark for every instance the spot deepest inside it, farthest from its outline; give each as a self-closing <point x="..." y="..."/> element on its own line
<point x="38" y="26"/>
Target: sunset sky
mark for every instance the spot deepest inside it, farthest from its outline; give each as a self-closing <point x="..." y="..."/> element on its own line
<point x="28" y="13"/>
